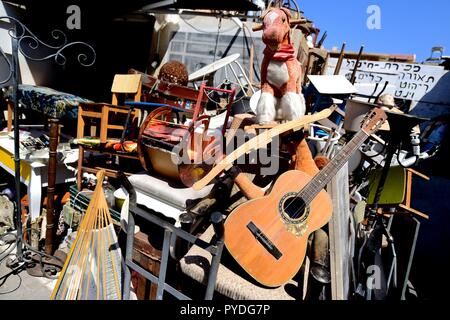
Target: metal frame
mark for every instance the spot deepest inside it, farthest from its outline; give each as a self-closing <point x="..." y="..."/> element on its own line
<point x="22" y="37"/>
<point x="170" y="236"/>
<point x="411" y="258"/>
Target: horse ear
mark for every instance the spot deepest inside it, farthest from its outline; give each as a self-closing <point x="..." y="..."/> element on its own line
<point x="287" y="12"/>
<point x="264" y="14"/>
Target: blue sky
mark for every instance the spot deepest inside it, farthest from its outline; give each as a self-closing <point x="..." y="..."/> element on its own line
<point x="407" y="27"/>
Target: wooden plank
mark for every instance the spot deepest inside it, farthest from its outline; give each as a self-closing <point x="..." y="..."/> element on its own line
<point x="250" y="68"/>
<point x="108" y="172"/>
<point x="126" y="83"/>
<point x="104" y="124"/>
<point x="114" y="110"/>
<point x="99" y="105"/>
<point x="10" y="115"/>
<point x="420" y="214"/>
<point x="339" y="234"/>
<point x="419" y="174"/>
<point x="91" y="114"/>
<point x="408" y="189"/>
<point x="121" y="155"/>
<point x="167" y="88"/>
<point x="115" y="127"/>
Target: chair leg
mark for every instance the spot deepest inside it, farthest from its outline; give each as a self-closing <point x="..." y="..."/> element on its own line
<point x="104" y="124"/>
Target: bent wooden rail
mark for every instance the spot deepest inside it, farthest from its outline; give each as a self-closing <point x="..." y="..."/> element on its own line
<point x="258" y="142"/>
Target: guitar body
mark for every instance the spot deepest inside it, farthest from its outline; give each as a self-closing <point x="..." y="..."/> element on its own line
<point x="268" y="236"/>
<point x="275" y="256"/>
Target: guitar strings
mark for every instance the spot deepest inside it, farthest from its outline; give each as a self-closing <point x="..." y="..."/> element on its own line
<point x="344" y="154"/>
<point x="357" y="141"/>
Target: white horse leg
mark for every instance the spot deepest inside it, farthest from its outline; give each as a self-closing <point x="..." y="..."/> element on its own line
<point x="293" y="106"/>
<point x="265" y="110"/>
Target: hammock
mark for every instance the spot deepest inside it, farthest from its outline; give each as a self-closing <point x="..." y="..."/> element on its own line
<point x="92" y="270"/>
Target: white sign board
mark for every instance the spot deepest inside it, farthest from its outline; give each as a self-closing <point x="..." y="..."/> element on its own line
<point x="412" y="81"/>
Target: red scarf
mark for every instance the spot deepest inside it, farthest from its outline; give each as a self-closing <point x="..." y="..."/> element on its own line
<point x="286" y="52"/>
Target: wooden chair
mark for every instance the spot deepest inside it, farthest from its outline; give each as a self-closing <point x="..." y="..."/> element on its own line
<point x="123" y="84"/>
<point x="397" y="191"/>
<point x="406" y="205"/>
<point x="106" y="121"/>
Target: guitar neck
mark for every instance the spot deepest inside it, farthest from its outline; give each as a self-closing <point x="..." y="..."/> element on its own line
<point x="312" y="189"/>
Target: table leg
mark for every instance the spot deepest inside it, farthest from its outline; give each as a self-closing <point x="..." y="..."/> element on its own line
<point x="35" y="193"/>
<point x="9" y="116"/>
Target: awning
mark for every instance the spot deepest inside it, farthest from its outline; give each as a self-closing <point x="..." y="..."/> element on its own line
<point x="235" y="5"/>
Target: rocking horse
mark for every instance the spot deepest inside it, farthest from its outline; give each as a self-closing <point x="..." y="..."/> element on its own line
<point x="281" y="97"/>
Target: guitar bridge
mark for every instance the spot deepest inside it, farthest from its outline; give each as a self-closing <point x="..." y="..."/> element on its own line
<point x="262" y="238"/>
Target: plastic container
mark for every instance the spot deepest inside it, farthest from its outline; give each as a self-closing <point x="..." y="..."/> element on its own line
<point x="109" y="190"/>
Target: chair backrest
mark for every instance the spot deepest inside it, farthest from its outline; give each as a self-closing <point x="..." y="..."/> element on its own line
<point x="161" y="91"/>
<point x="126" y="84"/>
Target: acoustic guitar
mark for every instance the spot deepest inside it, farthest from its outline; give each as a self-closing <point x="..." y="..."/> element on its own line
<point x="268" y="236"/>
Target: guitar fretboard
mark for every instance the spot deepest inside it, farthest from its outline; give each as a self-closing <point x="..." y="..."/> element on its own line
<point x="312" y="189"/>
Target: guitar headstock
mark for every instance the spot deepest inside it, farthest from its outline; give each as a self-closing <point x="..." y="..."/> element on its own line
<point x="373" y="120"/>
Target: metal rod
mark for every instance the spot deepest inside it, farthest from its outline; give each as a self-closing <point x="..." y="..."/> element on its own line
<point x="15" y="86"/>
<point x="128" y="256"/>
<point x="215" y="263"/>
<point x="251" y="63"/>
<point x="217" y="222"/>
<point x="410" y="258"/>
<point x="237" y="79"/>
<point x="164" y="262"/>
<point x="54" y="126"/>
<point x="37" y="126"/>
<point x="245" y="77"/>
<point x="150" y="277"/>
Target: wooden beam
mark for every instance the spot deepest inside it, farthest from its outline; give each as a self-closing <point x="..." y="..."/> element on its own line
<point x="419" y="174"/>
<point x="420" y="214"/>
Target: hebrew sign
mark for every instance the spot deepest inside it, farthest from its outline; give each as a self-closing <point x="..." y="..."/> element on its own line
<point x="412" y="81"/>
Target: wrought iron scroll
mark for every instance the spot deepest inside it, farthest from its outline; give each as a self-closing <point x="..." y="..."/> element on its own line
<point x="27" y="43"/>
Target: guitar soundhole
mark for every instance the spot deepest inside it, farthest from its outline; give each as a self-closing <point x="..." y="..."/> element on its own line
<point x="295" y="208"/>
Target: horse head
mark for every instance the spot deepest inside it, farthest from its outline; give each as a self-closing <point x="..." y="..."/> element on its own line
<point x="276" y="27"/>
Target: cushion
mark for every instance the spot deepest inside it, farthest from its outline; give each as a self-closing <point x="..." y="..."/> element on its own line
<point x="166" y="191"/>
<point x="197" y="262"/>
<point x="49" y="102"/>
